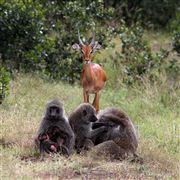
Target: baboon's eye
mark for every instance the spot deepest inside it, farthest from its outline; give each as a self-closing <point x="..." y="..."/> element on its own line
<point x="57" y="111"/>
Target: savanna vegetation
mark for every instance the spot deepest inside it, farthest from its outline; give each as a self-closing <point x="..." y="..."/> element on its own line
<point x="141" y="55"/>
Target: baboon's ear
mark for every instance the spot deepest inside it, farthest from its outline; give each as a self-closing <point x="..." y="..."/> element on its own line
<point x="76" y="47"/>
<point x="84" y="112"/>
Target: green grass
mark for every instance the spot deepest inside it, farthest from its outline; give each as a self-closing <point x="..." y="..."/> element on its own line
<point x="154" y="111"/>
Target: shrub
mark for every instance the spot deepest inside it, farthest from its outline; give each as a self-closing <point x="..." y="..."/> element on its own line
<point x="174" y="24"/>
<point x="4" y="83"/>
<point x="136" y="58"/>
<point x="21" y="28"/>
<point x="136" y="55"/>
<point x="37" y="36"/>
<point x="176" y="42"/>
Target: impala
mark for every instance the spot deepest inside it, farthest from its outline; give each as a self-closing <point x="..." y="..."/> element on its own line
<point x="93" y="76"/>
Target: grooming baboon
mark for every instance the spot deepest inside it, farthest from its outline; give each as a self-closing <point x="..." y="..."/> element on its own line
<point x="55" y="133"/>
<point x="120" y="139"/>
<point x="81" y="122"/>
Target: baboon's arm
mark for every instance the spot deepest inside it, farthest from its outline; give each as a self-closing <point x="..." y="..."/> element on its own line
<point x="114" y="119"/>
<point x="96" y="132"/>
<point x="70" y="139"/>
<point x="96" y="125"/>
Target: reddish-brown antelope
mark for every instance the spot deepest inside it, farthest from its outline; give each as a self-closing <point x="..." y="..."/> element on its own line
<point x="93" y="76"/>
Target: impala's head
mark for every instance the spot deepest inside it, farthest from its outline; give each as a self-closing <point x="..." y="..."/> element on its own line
<point x="86" y="49"/>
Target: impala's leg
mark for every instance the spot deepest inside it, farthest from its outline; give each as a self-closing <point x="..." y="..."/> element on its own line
<point x="86" y="96"/>
<point x="96" y="101"/>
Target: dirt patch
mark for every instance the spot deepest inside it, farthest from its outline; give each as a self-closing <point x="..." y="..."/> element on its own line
<point x="99" y="174"/>
<point x="45" y="175"/>
<point x="66" y="173"/>
<point x="86" y="173"/>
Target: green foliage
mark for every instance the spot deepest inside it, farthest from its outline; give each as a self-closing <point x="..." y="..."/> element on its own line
<point x="4" y="83"/>
<point x="21" y="28"/>
<point x="173" y="70"/>
<point x="159" y="12"/>
<point x="150" y="13"/>
<point x="176" y="42"/>
<point x="136" y="52"/>
<point x="136" y="58"/>
<point x="39" y="35"/>
<point x="66" y="19"/>
<point x="174" y="24"/>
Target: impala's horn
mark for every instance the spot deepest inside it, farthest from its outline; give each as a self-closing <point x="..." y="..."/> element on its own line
<point x="80" y="41"/>
<point x="93" y="40"/>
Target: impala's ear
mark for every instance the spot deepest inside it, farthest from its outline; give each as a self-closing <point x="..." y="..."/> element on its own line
<point x="96" y="46"/>
<point x="76" y="47"/>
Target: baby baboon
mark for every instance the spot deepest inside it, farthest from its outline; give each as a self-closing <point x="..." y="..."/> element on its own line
<point x="81" y="122"/>
<point x="52" y="141"/>
<point x="55" y="133"/>
<point x="46" y="145"/>
<point x="121" y="134"/>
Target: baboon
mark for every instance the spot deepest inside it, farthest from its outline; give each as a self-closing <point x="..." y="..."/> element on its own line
<point x="120" y="139"/>
<point x="55" y="133"/>
<point x="52" y="141"/>
<point x="81" y="122"/>
<point x="47" y="145"/>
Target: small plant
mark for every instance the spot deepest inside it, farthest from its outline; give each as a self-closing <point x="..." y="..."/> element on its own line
<point x="4" y="83"/>
<point x="176" y="42"/>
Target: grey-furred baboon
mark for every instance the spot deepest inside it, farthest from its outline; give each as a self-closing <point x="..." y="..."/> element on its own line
<point x="55" y="133"/>
<point x="120" y="140"/>
<point x="81" y="123"/>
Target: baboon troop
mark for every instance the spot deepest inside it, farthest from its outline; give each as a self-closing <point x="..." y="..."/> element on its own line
<point x="111" y="132"/>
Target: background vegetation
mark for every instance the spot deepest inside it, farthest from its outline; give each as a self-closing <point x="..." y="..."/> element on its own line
<point x="141" y="52"/>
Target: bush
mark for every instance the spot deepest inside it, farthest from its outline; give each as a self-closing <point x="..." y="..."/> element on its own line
<point x="136" y="58"/>
<point x="21" y="28"/>
<point x="4" y="83"/>
<point x="151" y="13"/>
<point x="176" y="42"/>
<point x="174" y="24"/>
<point x="37" y="36"/>
<point x="173" y="70"/>
<point x="159" y="12"/>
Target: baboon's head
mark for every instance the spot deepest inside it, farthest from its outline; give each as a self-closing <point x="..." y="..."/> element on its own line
<point x="54" y="110"/>
<point x="88" y="113"/>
